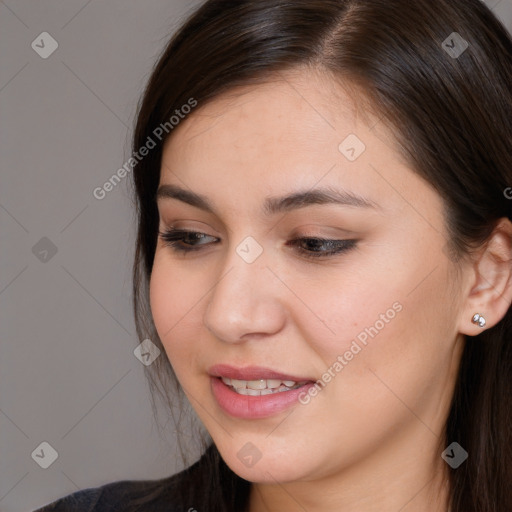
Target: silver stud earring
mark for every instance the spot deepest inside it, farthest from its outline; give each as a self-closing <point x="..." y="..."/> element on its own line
<point x="478" y="319"/>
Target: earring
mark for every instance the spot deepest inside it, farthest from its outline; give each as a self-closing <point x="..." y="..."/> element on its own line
<point x="478" y="319"/>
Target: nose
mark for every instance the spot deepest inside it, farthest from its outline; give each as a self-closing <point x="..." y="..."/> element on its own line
<point x="247" y="301"/>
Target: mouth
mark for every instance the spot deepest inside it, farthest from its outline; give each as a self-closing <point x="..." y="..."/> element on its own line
<point x="255" y="392"/>
<point x="261" y="387"/>
<point x="256" y="378"/>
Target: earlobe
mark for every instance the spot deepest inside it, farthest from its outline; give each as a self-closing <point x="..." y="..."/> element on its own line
<point x="490" y="295"/>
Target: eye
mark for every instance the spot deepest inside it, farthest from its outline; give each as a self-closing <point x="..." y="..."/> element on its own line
<point x="183" y="241"/>
<point x="321" y="247"/>
<point x="180" y="240"/>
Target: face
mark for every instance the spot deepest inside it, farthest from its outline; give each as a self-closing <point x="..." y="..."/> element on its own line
<point x="316" y="256"/>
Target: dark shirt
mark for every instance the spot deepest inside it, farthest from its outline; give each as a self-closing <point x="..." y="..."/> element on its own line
<point x="207" y="485"/>
<point x="120" y="496"/>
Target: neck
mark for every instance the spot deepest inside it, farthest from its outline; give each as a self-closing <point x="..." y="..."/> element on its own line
<point x="405" y="477"/>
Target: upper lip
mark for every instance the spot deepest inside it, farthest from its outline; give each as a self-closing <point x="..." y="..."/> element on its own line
<point x="252" y="373"/>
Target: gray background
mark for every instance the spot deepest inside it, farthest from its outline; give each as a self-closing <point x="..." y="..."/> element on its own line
<point x="68" y="375"/>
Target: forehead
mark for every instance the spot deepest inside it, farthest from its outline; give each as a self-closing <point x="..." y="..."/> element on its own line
<point x="291" y="119"/>
<point x="286" y="134"/>
<point x="291" y="107"/>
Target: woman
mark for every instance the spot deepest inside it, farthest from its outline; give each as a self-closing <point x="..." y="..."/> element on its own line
<point x="323" y="255"/>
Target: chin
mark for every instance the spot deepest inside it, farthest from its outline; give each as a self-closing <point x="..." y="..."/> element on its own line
<point x="267" y="465"/>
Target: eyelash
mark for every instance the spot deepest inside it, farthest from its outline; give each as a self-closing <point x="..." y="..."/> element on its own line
<point x="173" y="238"/>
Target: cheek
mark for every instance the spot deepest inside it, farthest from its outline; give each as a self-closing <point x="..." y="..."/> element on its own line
<point x="345" y="307"/>
<point x="175" y="300"/>
<point x="394" y="324"/>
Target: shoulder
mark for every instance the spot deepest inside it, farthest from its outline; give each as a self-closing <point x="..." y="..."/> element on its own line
<point x="124" y="495"/>
<point x="209" y="480"/>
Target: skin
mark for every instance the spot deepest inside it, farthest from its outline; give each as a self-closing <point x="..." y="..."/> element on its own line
<point x="371" y="439"/>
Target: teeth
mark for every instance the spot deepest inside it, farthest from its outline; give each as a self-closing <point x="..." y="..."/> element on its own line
<point x="260" y="387"/>
<point x="257" y="384"/>
<point x="238" y="384"/>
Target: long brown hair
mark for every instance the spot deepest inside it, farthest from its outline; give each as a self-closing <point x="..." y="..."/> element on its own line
<point x="451" y="115"/>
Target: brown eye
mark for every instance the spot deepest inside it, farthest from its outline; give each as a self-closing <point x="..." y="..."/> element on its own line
<point x="183" y="241"/>
<point x="321" y="247"/>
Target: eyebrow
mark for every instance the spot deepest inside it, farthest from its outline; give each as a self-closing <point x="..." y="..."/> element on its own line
<point x="273" y="205"/>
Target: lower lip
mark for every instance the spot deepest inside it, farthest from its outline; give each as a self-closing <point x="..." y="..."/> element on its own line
<point x="253" y="407"/>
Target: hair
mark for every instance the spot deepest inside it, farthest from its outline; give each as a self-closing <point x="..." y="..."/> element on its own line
<point x="452" y="121"/>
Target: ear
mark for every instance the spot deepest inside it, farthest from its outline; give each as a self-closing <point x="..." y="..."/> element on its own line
<point x="490" y="288"/>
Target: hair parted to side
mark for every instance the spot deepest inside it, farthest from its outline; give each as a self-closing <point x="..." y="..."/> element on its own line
<point x="452" y="120"/>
